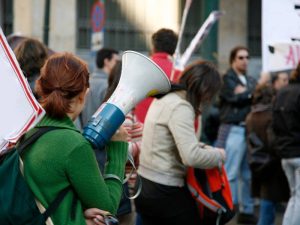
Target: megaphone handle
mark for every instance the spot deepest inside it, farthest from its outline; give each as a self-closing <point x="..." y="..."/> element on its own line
<point x="102" y="127"/>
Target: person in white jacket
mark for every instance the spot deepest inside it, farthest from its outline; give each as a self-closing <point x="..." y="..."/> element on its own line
<point x="170" y="144"/>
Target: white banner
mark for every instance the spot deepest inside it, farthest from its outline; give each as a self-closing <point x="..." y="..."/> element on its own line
<point x="280" y="34"/>
<point x="198" y="39"/>
<point x="19" y="109"/>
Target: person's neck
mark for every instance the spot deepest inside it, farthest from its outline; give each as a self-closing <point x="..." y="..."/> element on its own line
<point x="239" y="72"/>
<point x="106" y="70"/>
<point x="72" y="116"/>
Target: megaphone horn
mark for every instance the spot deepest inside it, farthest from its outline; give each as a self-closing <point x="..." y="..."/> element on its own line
<point x="140" y="78"/>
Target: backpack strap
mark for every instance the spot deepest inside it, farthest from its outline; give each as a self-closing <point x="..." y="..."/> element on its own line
<point x="138" y="178"/>
<point x="24" y="143"/>
<point x="54" y="205"/>
<point x="28" y="141"/>
<point x="134" y="169"/>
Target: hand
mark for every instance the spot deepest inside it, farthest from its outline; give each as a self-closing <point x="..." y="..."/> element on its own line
<point x="222" y="153"/>
<point x="120" y="135"/>
<point x="239" y="89"/>
<point x="265" y="77"/>
<point x="94" y="216"/>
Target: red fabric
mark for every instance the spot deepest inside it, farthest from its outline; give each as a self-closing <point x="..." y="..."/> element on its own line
<point x="192" y="181"/>
<point x="196" y="124"/>
<point x="216" y="179"/>
<point x="164" y="61"/>
<point x="176" y="77"/>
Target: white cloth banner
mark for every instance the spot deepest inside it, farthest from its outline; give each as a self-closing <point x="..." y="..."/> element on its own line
<point x="19" y="109"/>
<point x="198" y="39"/>
<point x="280" y="34"/>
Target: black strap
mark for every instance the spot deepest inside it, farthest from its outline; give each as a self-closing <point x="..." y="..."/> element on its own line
<point x="22" y="147"/>
<point x="28" y="141"/>
<point x="174" y="87"/>
<point x="54" y="205"/>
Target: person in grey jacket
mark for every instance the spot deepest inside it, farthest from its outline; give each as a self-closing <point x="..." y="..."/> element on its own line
<point x="105" y="60"/>
<point x="170" y="145"/>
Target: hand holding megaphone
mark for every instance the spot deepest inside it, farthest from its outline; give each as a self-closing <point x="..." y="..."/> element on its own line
<point x="140" y="78"/>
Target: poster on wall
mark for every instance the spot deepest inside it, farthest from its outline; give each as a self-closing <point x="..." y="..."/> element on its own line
<point x="280" y="34"/>
<point x="19" y="109"/>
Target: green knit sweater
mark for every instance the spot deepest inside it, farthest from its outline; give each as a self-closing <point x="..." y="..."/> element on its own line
<point x="62" y="158"/>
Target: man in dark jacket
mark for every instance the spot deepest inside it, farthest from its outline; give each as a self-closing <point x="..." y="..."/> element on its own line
<point x="235" y="104"/>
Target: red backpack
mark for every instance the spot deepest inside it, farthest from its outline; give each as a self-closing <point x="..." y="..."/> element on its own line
<point x="210" y="188"/>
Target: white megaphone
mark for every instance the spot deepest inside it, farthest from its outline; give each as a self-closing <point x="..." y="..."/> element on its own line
<point x="140" y="78"/>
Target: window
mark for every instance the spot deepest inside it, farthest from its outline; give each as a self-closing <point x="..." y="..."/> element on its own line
<point x="127" y="24"/>
<point x="193" y="23"/>
<point x="6" y="16"/>
<point x="83" y="40"/>
<point x="121" y="30"/>
<point x="254" y="27"/>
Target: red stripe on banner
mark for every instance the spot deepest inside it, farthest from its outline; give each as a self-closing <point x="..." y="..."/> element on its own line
<point x="27" y="92"/>
<point x="29" y="124"/>
<point x="17" y="71"/>
<point x="23" y="130"/>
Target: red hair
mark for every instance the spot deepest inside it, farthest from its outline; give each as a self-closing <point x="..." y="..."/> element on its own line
<point x="63" y="77"/>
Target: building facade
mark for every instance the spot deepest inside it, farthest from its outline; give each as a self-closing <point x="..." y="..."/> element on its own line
<point x="129" y="24"/>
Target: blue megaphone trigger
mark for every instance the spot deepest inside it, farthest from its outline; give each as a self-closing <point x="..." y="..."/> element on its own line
<point x="102" y="127"/>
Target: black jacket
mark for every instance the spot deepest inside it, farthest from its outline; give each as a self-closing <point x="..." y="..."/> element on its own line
<point x="286" y="123"/>
<point x="235" y="107"/>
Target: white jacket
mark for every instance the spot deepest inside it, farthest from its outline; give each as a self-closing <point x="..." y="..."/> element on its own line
<point x="169" y="142"/>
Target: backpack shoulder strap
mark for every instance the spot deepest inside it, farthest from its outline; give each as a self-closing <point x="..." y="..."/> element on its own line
<point x="22" y="147"/>
<point x="28" y="141"/>
<point x="56" y="202"/>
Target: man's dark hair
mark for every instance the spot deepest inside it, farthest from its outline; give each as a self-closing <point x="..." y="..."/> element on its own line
<point x="164" y="40"/>
<point x="31" y="55"/>
<point x="275" y="75"/>
<point x="104" y="53"/>
<point x="234" y="52"/>
<point x="295" y="76"/>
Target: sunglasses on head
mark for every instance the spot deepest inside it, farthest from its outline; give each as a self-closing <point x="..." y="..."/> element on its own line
<point x="243" y="57"/>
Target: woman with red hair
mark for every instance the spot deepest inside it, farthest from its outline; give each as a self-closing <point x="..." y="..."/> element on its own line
<point x="63" y="158"/>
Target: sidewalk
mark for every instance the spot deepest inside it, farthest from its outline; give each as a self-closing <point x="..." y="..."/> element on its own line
<point x="278" y="220"/>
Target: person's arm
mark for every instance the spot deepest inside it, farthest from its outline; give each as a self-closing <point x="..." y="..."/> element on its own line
<point x="135" y="131"/>
<point x="192" y="152"/>
<point x="228" y="92"/>
<point x="94" y="216"/>
<point x="86" y="180"/>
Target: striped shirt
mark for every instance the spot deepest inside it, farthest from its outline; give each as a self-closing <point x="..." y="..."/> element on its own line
<point x="135" y="131"/>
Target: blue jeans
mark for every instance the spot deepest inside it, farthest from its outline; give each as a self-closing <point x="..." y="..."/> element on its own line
<point x="291" y="168"/>
<point x="237" y="169"/>
<point x="267" y="212"/>
<point x="138" y="219"/>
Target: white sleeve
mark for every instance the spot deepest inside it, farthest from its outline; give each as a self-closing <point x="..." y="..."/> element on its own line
<point x="181" y="125"/>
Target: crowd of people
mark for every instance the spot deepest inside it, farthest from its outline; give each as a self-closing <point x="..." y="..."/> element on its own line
<point x="257" y="138"/>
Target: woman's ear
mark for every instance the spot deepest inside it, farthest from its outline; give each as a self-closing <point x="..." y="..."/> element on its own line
<point x="83" y="95"/>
